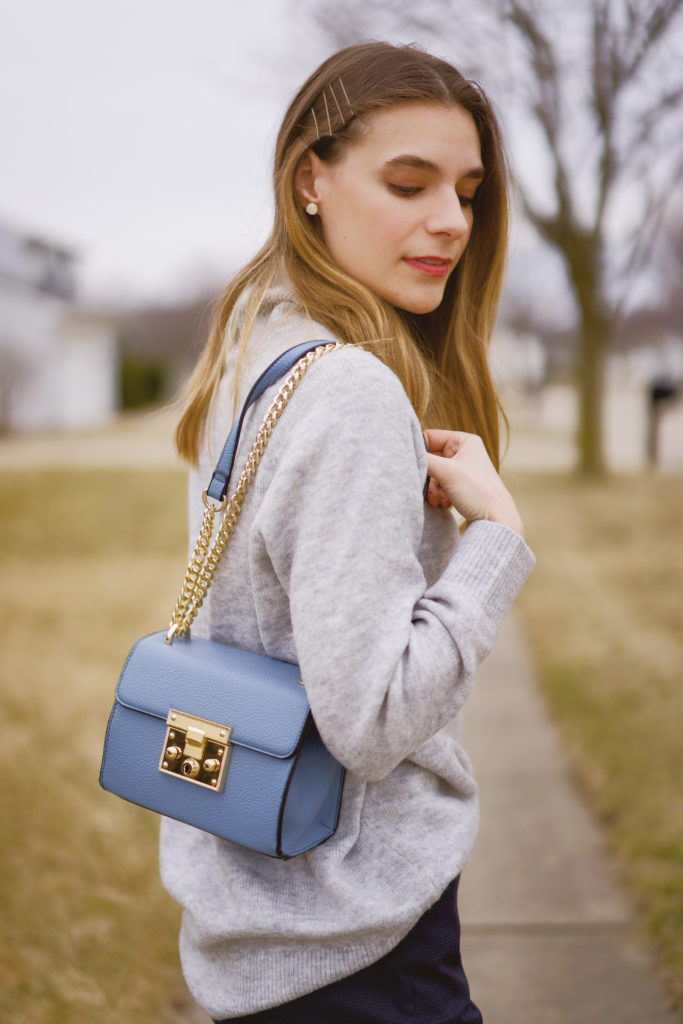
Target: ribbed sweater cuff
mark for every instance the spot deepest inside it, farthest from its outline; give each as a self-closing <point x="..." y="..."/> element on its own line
<point x="491" y="563"/>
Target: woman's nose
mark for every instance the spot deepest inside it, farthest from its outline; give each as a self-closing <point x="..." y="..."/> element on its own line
<point x="449" y="217"/>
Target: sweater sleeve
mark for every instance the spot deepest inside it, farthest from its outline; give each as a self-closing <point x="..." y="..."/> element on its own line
<point x="386" y="662"/>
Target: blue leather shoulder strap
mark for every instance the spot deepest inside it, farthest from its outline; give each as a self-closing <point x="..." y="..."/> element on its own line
<point x="278" y="368"/>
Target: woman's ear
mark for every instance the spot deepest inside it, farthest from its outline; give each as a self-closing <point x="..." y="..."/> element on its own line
<point x="305" y="178"/>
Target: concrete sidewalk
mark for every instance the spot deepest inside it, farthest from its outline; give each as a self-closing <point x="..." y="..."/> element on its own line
<point x="548" y="937"/>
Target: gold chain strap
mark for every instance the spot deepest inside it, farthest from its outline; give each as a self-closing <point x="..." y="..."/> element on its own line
<point x="206" y="556"/>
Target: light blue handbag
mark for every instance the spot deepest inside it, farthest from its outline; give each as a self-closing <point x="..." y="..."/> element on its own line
<point x="212" y="735"/>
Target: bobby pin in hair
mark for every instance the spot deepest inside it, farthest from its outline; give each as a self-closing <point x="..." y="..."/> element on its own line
<point x="334" y="97"/>
<point x="317" y="132"/>
<point x="327" y="111"/>
<point x="348" y="103"/>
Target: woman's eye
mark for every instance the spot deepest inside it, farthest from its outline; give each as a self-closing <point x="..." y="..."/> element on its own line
<point x="466" y="200"/>
<point x="404" y="190"/>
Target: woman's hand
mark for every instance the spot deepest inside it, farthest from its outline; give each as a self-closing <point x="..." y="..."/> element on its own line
<point x="462" y="475"/>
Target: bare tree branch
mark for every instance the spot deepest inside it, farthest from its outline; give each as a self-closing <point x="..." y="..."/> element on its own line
<point x="547" y="107"/>
<point x="655" y="28"/>
<point x="650" y="121"/>
<point x="605" y="77"/>
<point x="644" y="240"/>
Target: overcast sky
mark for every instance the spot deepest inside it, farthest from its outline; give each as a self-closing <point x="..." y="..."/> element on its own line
<point x="140" y="132"/>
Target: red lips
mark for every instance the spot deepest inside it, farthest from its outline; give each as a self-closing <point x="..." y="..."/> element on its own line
<point x="434" y="266"/>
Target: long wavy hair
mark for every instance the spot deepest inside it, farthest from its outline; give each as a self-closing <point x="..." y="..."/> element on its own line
<point x="441" y="358"/>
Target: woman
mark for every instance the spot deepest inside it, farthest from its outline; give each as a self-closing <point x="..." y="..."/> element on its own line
<point x="390" y="232"/>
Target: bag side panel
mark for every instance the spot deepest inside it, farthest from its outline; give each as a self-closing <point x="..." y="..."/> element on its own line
<point x="313" y="798"/>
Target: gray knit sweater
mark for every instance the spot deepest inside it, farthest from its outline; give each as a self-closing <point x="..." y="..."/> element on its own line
<point x="338" y="564"/>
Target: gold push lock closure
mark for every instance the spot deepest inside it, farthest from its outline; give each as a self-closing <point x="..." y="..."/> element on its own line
<point x="196" y="750"/>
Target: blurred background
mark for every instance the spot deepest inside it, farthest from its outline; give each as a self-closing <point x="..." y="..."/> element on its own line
<point x="137" y="142"/>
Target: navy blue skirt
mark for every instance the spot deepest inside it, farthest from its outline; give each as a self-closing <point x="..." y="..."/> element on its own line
<point x="421" y="981"/>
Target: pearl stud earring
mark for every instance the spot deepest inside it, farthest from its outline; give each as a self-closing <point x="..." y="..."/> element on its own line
<point x="312" y="209"/>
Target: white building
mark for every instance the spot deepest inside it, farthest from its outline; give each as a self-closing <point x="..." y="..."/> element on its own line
<point x="58" y="364"/>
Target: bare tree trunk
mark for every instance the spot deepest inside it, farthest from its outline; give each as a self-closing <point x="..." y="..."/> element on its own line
<point x="584" y="260"/>
<point x="593" y="347"/>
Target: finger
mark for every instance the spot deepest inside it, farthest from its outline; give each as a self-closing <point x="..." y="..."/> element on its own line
<point x="452" y="443"/>
<point x="440" y="440"/>
<point x="435" y="494"/>
<point x="439" y="466"/>
<point x="433" y="491"/>
<point x="437" y="499"/>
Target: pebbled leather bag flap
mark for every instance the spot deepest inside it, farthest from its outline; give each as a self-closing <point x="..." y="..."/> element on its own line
<point x="261" y="698"/>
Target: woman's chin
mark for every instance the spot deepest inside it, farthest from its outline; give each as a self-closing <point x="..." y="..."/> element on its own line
<point x="419" y="301"/>
<point x="418" y="308"/>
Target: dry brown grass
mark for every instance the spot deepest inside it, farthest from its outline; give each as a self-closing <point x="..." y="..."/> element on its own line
<point x="604" y="609"/>
<point x="89" y="562"/>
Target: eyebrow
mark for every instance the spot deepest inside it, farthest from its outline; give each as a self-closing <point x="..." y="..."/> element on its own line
<point x="408" y="160"/>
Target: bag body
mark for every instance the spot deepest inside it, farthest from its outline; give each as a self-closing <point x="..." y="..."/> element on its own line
<point x="220" y="738"/>
<point x="279" y="790"/>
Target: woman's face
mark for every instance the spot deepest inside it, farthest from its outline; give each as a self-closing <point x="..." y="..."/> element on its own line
<point x="396" y="208"/>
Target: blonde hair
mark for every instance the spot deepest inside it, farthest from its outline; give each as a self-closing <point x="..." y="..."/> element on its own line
<point x="441" y="358"/>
